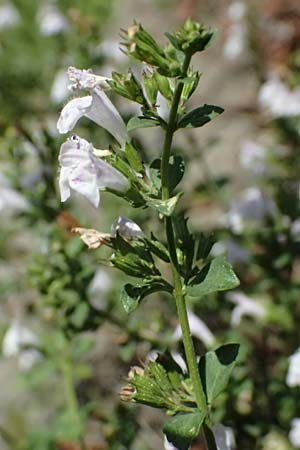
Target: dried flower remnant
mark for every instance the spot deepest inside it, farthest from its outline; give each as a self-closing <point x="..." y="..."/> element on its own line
<point x="92" y="238"/>
<point x="85" y="79"/>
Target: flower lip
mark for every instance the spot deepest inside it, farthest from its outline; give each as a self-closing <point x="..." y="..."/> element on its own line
<point x="83" y="172"/>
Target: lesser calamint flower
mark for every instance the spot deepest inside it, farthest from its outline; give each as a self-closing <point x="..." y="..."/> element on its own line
<point x="83" y="172"/>
<point x="96" y="107"/>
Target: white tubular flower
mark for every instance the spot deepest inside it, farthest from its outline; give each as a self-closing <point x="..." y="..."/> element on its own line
<point x="278" y="99"/>
<point x="98" y="108"/>
<point x="85" y="79"/>
<point x="51" y="21"/>
<point x="9" y="16"/>
<point x="245" y="306"/>
<point x="294" y="434"/>
<point x="198" y="329"/>
<point x="224" y="437"/>
<point x="17" y="341"/>
<point x="84" y="173"/>
<point x="126" y="228"/>
<point x="293" y="374"/>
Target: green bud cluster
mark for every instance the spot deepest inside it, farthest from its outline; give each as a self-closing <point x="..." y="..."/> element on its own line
<point x="192" y="37"/>
<point x="140" y="45"/>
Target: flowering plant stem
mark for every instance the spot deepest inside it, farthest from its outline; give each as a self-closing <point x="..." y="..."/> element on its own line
<point x="178" y="285"/>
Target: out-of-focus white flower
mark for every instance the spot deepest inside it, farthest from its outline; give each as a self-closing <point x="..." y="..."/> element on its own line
<point x="98" y="108"/>
<point x="179" y="360"/>
<point x="11" y="201"/>
<point x="198" y="329"/>
<point x="278" y="99"/>
<point x="83" y="172"/>
<point x="9" y="16"/>
<point x="51" y="21"/>
<point x="233" y="251"/>
<point x="294" y="434"/>
<point x="224" y="437"/>
<point x="252" y="157"/>
<point x="126" y="228"/>
<point x="85" y="79"/>
<point x="295" y="229"/>
<point x="293" y="373"/>
<point x="110" y="49"/>
<point x="236" y="41"/>
<point x="245" y="306"/>
<point x="253" y="205"/>
<point x="236" y="11"/>
<point x="59" y="89"/>
<point x="99" y="288"/>
<point x="16" y="342"/>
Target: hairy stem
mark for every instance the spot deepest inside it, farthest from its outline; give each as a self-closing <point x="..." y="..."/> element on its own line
<point x="178" y="285"/>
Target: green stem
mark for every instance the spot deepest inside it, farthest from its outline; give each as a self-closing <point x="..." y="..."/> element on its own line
<point x="71" y="400"/>
<point x="178" y="285"/>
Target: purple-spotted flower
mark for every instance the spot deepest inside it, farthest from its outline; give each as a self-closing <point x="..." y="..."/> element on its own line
<point x="83" y="172"/>
<point x="96" y="107"/>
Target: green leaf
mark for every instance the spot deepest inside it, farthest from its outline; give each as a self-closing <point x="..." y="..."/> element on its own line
<point x="181" y="429"/>
<point x="132" y="295"/>
<point x="141" y="122"/>
<point x="200" y="116"/>
<point x="133" y="158"/>
<point x="217" y="275"/>
<point x="215" y="368"/>
<point x="165" y="207"/>
<point x="176" y="172"/>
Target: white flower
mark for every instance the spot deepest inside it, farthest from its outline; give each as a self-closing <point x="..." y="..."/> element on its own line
<point x="295" y="229"/>
<point x="224" y="437"/>
<point x="198" y="329"/>
<point x="84" y="173"/>
<point x="236" y="11"/>
<point x="252" y="157"/>
<point x="85" y="79"/>
<point x="246" y="306"/>
<point x="236" y="41"/>
<point x="294" y="434"/>
<point x="59" y="89"/>
<point x="98" y="108"/>
<point x="11" y="201"/>
<point x="279" y="99"/>
<point x="51" y="21"/>
<point x="16" y="341"/>
<point x="99" y="288"/>
<point x="293" y="374"/>
<point x="126" y="228"/>
<point x="253" y="205"/>
<point x="9" y="16"/>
